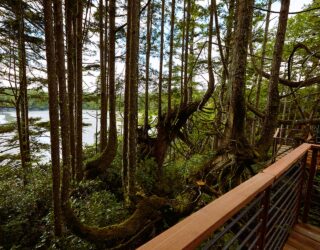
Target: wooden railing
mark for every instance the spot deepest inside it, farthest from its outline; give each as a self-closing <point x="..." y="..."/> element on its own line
<point x="259" y="213"/>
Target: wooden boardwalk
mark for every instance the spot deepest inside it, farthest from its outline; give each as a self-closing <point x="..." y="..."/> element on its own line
<point x="303" y="237"/>
<point x="284" y="150"/>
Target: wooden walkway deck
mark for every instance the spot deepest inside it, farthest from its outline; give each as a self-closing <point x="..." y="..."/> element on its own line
<point x="283" y="151"/>
<point x="303" y="237"/>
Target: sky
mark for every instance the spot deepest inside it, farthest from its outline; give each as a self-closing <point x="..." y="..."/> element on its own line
<point x="295" y="5"/>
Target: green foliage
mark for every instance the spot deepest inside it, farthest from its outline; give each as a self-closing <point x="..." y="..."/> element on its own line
<point x="22" y="207"/>
<point x="176" y="173"/>
<point x="99" y="208"/>
<point x="146" y="174"/>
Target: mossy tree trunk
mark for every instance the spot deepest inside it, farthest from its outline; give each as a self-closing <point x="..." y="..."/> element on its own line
<point x="270" y="120"/>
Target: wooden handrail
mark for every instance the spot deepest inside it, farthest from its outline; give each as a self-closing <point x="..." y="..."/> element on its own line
<point x="190" y="232"/>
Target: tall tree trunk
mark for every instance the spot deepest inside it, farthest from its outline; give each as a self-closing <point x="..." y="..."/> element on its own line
<point x="23" y="100"/>
<point x="79" y="91"/>
<point x="182" y="54"/>
<point x="70" y="34"/>
<point x="161" y="60"/>
<point x="190" y="70"/>
<point x="133" y="83"/>
<point x="263" y="54"/>
<point x="210" y="34"/>
<point x="63" y="97"/>
<point x="235" y="129"/>
<point x="103" y="81"/>
<point x="149" y="30"/>
<point x="99" y="166"/>
<point x="225" y="70"/>
<point x="271" y="114"/>
<point x="126" y="105"/>
<point x="53" y="113"/>
<point x="112" y="142"/>
<point x="186" y="55"/>
<point x="173" y="7"/>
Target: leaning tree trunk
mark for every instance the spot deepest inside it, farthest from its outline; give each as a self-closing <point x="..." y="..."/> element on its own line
<point x="271" y="114"/>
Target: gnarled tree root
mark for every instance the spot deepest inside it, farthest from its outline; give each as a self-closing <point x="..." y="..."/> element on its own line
<point x="147" y="210"/>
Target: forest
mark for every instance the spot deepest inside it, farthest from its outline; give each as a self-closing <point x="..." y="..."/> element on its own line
<point x="183" y="99"/>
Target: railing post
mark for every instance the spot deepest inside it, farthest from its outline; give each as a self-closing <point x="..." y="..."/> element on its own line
<point x="264" y="218"/>
<point x="274" y="150"/>
<point x="303" y="168"/>
<point x="312" y="172"/>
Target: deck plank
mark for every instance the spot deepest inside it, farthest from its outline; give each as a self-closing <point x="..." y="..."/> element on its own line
<point x="287" y="246"/>
<point x="303" y="237"/>
<point x="308" y="231"/>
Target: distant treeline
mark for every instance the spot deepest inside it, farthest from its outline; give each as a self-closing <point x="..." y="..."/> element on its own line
<point x="38" y="100"/>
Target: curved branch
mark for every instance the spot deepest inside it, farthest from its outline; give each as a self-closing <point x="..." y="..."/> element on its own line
<point x="290" y="13"/>
<point x="147" y="209"/>
<point x="125" y="24"/>
<point x="294" y="84"/>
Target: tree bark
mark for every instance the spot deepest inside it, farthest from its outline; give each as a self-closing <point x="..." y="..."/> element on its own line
<point x="70" y="34"/>
<point x="133" y="88"/>
<point x="103" y="81"/>
<point x="63" y="97"/>
<point x="126" y="105"/>
<point x="173" y="7"/>
<point x="23" y="95"/>
<point x="79" y="92"/>
<point x="235" y="124"/>
<point x="149" y="31"/>
<point x="182" y="54"/>
<point x="161" y="60"/>
<point x="259" y="80"/>
<point x="270" y="121"/>
<point x="223" y="105"/>
<point x="112" y="142"/>
<point x="186" y="55"/>
<point x="53" y="113"/>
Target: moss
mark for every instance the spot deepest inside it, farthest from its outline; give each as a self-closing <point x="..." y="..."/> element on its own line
<point x="147" y="210"/>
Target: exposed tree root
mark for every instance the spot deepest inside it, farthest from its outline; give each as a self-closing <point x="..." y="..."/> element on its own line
<point x="147" y="210"/>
